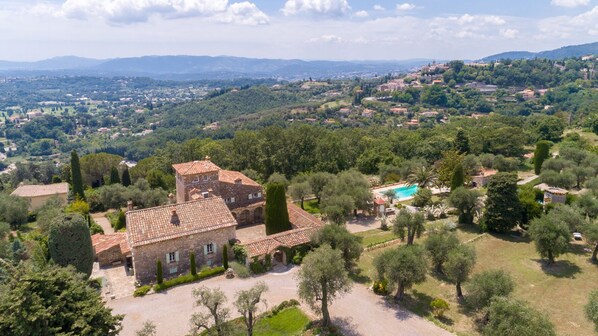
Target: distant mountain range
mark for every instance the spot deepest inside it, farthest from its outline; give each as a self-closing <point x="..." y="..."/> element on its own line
<point x="227" y="67"/>
<point x="563" y="52"/>
<point x="207" y="67"/>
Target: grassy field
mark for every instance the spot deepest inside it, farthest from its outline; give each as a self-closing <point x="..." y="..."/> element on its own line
<point x="289" y="322"/>
<point x="310" y="206"/>
<point x="375" y="236"/>
<point x="560" y="290"/>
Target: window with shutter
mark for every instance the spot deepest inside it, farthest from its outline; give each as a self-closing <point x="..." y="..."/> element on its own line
<point x="250" y="196"/>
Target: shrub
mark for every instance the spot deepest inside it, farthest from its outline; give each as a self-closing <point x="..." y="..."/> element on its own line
<point x="439" y="307"/>
<point x="240" y="270"/>
<point x="159" y="275"/>
<point x="256" y="266"/>
<point x="284" y="305"/>
<point x="193" y="265"/>
<point x="268" y="262"/>
<point x="183" y="279"/>
<point x="95" y="228"/>
<point x="240" y="254"/>
<point x="380" y="287"/>
<point x="225" y="257"/>
<point x="141" y="291"/>
<point x="298" y="258"/>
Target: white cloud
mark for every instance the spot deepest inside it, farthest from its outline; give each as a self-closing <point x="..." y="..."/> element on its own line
<point x="317" y="7"/>
<point x="570" y="3"/>
<point x="406" y="6"/>
<point x="244" y="13"/>
<point x="564" y="27"/>
<point x="330" y="38"/>
<point x="361" y="14"/>
<point x="379" y="8"/>
<point x="122" y="12"/>
<point x="509" y="33"/>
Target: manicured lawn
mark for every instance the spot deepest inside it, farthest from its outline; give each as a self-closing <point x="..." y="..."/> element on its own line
<point x="375" y="236"/>
<point x="289" y="322"/>
<point x="310" y="206"/>
<point x="560" y="290"/>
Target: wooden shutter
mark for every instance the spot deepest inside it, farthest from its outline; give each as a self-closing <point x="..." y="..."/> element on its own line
<point x="167" y="259"/>
<point x="176" y="256"/>
<point x="205" y="249"/>
<point x="214" y="247"/>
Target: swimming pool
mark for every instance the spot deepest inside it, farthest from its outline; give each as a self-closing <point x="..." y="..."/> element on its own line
<point x="405" y="191"/>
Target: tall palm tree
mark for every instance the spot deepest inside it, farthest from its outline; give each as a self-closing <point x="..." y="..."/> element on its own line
<point x="423" y="176"/>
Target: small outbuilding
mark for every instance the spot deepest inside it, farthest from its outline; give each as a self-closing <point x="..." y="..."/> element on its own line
<point x="111" y="249"/>
<point x="38" y="195"/>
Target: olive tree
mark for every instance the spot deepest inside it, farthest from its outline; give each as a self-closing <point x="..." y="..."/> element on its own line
<point x="215" y="317"/>
<point x="466" y="201"/>
<point x="458" y="266"/>
<point x="321" y="279"/>
<point x="591" y="308"/>
<point x="508" y="317"/>
<point x="485" y="286"/>
<point x="403" y="266"/>
<point x="408" y="224"/>
<point x="550" y="235"/>
<point x="247" y="304"/>
<point x="438" y="245"/>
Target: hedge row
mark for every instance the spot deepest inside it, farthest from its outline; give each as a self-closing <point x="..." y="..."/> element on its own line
<point x="183" y="279"/>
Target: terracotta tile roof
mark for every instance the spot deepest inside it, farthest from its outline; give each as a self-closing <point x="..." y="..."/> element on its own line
<point x="300" y="218"/>
<point x="102" y="242"/>
<point x="153" y="225"/>
<point x="229" y="176"/>
<point x="195" y="167"/>
<point x="41" y="190"/>
<point x="305" y="225"/>
<point x="270" y="243"/>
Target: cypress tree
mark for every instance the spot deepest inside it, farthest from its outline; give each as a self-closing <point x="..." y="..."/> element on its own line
<point x="193" y="265"/>
<point x="225" y="257"/>
<point x="69" y="242"/>
<point x="462" y="142"/>
<point x="126" y="179"/>
<point x="159" y="275"/>
<point x="541" y="153"/>
<point x="114" y="176"/>
<point x="276" y="213"/>
<point x="76" y="176"/>
<point x="458" y="178"/>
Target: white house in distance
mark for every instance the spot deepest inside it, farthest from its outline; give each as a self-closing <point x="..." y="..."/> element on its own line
<point x="38" y="195"/>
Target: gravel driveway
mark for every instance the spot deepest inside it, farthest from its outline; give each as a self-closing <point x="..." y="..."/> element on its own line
<point x="358" y="313"/>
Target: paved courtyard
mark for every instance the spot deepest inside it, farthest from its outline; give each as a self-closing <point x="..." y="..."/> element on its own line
<point x="358" y="313"/>
<point x="116" y="283"/>
<point x="250" y="233"/>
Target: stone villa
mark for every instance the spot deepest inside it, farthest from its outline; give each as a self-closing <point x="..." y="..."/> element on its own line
<point x="211" y="203"/>
<point x="38" y="195"/>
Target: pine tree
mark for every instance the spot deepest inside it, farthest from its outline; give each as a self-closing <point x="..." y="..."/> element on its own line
<point x="541" y="153"/>
<point x="462" y="142"/>
<point x="76" y="176"/>
<point x="159" y="275"/>
<point x="114" y="176"/>
<point x="193" y="265"/>
<point x="225" y="257"/>
<point x="126" y="179"/>
<point x="458" y="178"/>
<point x="277" y="214"/>
<point x="503" y="209"/>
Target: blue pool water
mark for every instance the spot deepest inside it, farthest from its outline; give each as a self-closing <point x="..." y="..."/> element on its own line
<point x="405" y="191"/>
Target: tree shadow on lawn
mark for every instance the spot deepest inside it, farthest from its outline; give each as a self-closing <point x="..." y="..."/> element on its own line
<point x="469" y="228"/>
<point x="580" y="249"/>
<point x="513" y="237"/>
<point x="560" y="269"/>
<point x="358" y="276"/>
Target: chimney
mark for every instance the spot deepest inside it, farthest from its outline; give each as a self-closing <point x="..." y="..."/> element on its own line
<point x="238" y="181"/>
<point x="171" y="198"/>
<point x="207" y="158"/>
<point x="174" y="219"/>
<point x="129" y="205"/>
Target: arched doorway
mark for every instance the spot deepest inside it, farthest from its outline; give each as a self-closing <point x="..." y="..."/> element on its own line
<point x="244" y="217"/>
<point x="258" y="215"/>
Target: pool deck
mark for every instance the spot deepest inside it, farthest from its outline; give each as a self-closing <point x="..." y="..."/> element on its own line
<point x="377" y="191"/>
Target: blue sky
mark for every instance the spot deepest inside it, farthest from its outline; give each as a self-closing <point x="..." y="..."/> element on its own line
<point x="306" y="29"/>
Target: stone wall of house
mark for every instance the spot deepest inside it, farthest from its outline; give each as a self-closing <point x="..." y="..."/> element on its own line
<point x="37" y="202"/>
<point x="145" y="256"/>
<point x="202" y="182"/>
<point x="109" y="256"/>
<point x="241" y="194"/>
